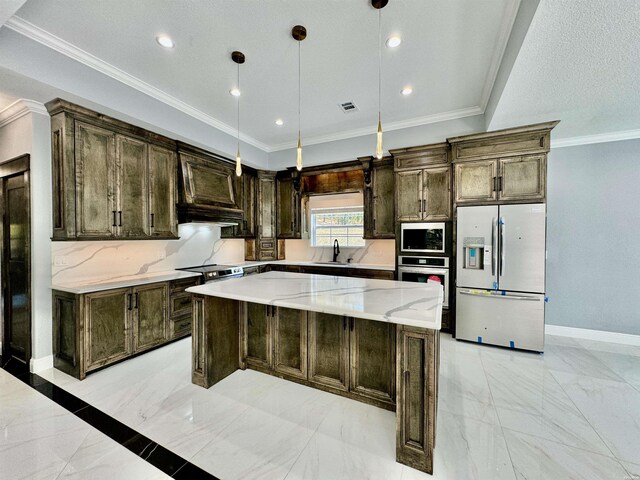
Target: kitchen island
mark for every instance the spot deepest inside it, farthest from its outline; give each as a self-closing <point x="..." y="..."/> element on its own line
<point x="375" y="341"/>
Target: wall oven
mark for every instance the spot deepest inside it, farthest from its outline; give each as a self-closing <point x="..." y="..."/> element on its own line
<point x="422" y="238"/>
<point x="425" y="269"/>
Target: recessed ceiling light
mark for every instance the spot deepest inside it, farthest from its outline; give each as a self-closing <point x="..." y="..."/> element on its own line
<point x="235" y="92"/>
<point x="393" y="41"/>
<point x="406" y="91"/>
<point x="165" y="41"/>
<point x="279" y="122"/>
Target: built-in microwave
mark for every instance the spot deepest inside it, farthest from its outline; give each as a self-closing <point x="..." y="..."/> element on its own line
<point x="422" y="238"/>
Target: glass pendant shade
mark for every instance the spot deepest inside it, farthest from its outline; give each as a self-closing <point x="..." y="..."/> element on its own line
<point x="299" y="159"/>
<point x="238" y="163"/>
<point x="379" y="151"/>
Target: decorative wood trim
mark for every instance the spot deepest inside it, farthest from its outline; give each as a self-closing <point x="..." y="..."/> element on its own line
<point x="15" y="165"/>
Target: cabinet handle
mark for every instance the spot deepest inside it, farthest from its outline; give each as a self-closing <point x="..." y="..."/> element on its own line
<point x="424" y="205"/>
<point x="374" y="224"/>
<point x="114" y="219"/>
<point x="420" y="205"/>
<point x="120" y="214"/>
<point x="136" y="306"/>
<point x="494" y="183"/>
<point x="152" y="220"/>
<point x="407" y="376"/>
<point x="500" y="183"/>
<point x="129" y="300"/>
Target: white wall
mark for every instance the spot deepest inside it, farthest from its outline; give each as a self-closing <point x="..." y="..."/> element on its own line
<point x="593" y="232"/>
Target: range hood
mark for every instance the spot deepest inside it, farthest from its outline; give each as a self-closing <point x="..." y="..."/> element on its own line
<point x="206" y="189"/>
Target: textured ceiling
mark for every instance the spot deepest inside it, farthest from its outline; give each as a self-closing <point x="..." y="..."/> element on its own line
<point x="579" y="63"/>
<point x="450" y="53"/>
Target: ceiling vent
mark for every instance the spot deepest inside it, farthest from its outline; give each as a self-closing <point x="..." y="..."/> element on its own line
<point x="348" y="107"/>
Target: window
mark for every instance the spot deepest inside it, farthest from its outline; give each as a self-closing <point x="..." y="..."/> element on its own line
<point x="346" y="224"/>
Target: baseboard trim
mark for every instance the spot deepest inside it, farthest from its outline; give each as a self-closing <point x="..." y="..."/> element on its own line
<point x="39" y="364"/>
<point x="599" y="335"/>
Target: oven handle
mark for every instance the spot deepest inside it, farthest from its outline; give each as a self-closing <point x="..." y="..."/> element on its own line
<point x="437" y="271"/>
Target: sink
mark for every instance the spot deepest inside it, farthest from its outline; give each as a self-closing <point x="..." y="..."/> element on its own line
<point x="330" y="263"/>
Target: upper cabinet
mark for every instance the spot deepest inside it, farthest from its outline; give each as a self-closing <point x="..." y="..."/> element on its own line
<point x="111" y="180"/>
<point x="265" y="246"/>
<point x="505" y="166"/>
<point x="423" y="183"/>
<point x="288" y="206"/>
<point x="246" y="189"/>
<point x="379" y="208"/>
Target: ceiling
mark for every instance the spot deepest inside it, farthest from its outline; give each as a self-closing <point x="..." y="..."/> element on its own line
<point x="450" y="54"/>
<point x="578" y="64"/>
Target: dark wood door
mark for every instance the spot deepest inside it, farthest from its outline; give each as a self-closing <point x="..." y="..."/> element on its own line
<point x="372" y="350"/>
<point x="163" y="169"/>
<point x="522" y="178"/>
<point x="257" y="327"/>
<point x="150" y="315"/>
<point x="437" y="193"/>
<point x="328" y="350"/>
<point x="107" y="326"/>
<point x="133" y="202"/>
<point x="286" y="209"/>
<point x="409" y="195"/>
<point x="16" y="275"/>
<point x="476" y="181"/>
<point x="96" y="203"/>
<point x="384" y="221"/>
<point x="290" y="342"/>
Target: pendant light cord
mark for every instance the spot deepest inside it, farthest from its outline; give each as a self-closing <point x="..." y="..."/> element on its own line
<point x="299" y="87"/>
<point x="238" y="65"/>
<point x="379" y="61"/>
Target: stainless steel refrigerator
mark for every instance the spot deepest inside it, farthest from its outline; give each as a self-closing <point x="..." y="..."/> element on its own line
<point x="500" y="281"/>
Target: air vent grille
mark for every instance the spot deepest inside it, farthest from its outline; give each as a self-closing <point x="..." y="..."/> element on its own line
<point x="348" y="107"/>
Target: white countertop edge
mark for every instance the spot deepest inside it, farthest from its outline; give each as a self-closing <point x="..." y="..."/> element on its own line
<point x="131" y="281"/>
<point x="365" y="266"/>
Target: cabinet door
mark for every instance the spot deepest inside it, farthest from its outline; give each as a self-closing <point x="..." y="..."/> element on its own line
<point x="249" y="205"/>
<point x="267" y="207"/>
<point x="257" y="327"/>
<point x="417" y="396"/>
<point x="290" y="342"/>
<point x="95" y="182"/>
<point x="373" y="359"/>
<point x="328" y="350"/>
<point x="150" y="315"/>
<point x="108" y="327"/>
<point x="133" y="175"/>
<point x="437" y="194"/>
<point x="163" y="169"/>
<point x="409" y="195"/>
<point x="522" y="178"/>
<point x="384" y="222"/>
<point x="287" y="212"/>
<point x="475" y="181"/>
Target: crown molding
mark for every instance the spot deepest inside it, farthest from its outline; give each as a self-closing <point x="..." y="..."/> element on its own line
<point x="503" y="39"/>
<point x="29" y="30"/>
<point x="597" y="138"/>
<point x="19" y="109"/>
<point x="388" y="127"/>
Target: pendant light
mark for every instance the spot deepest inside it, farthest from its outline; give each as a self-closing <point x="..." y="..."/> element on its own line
<point x="379" y="5"/>
<point x="238" y="58"/>
<point x="299" y="33"/>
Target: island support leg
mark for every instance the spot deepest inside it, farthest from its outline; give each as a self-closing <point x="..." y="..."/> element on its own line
<point x="418" y="358"/>
<point x="215" y="339"/>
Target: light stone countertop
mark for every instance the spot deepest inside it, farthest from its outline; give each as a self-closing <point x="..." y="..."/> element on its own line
<point x="366" y="266"/>
<point x="405" y="303"/>
<point x="88" y="286"/>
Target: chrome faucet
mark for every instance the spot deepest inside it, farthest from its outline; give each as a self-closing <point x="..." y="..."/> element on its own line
<point x="336" y="250"/>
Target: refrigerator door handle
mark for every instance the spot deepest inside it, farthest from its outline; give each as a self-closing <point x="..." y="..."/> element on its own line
<point x="494" y="246"/>
<point x="502" y="254"/>
<point x="505" y="297"/>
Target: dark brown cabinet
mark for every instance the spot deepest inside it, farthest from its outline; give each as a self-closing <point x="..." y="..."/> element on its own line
<point x="257" y="327"/>
<point x="150" y="316"/>
<point x="265" y="246"/>
<point x="290" y="341"/>
<point x="111" y="180"/>
<point x="92" y="330"/>
<point x="328" y="350"/>
<point x="423" y="183"/>
<point x="247" y="198"/>
<point x="379" y="208"/>
<point x="372" y="359"/>
<point x="505" y="166"/>
<point x="288" y="207"/>
<point x="108" y="327"/>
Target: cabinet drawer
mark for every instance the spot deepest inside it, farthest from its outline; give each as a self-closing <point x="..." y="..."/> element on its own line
<point x="267" y="244"/>
<point x="180" y="305"/>
<point x="180" y="326"/>
<point x="181" y="285"/>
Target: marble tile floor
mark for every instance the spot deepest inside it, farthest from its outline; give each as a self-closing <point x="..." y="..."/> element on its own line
<point x="571" y="413"/>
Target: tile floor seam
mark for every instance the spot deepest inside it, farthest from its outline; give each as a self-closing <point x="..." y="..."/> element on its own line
<point x="585" y="417"/>
<point x="486" y="377"/>
<point x="74" y="453"/>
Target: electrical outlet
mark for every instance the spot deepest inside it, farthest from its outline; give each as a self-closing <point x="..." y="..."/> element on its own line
<point x="59" y="261"/>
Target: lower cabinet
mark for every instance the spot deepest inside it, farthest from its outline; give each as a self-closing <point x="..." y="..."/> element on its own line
<point x="336" y="353"/>
<point x="180" y="307"/>
<point x="96" y="329"/>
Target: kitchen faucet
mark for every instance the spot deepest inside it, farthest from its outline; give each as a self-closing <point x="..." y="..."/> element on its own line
<point x="336" y="250"/>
